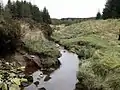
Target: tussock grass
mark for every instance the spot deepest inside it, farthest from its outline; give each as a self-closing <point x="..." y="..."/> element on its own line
<point x="96" y="43"/>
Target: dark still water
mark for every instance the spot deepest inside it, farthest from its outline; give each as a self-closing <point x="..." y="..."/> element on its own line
<point x="63" y="78"/>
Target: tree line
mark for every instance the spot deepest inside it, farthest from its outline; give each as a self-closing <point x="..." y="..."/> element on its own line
<point x="111" y="10"/>
<point x="24" y="9"/>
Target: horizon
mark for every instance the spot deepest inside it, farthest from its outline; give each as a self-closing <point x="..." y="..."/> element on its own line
<point x="69" y="9"/>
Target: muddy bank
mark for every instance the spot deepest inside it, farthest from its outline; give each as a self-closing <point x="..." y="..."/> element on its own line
<point x="65" y="77"/>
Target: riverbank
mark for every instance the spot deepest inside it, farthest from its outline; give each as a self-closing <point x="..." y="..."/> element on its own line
<point x="37" y="43"/>
<point x="64" y="78"/>
<point x="20" y="38"/>
<point x="96" y="43"/>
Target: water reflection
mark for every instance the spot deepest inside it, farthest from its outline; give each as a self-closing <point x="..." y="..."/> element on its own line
<point x="63" y="78"/>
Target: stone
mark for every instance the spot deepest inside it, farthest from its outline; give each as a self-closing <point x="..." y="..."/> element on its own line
<point x="42" y="88"/>
<point x="47" y="78"/>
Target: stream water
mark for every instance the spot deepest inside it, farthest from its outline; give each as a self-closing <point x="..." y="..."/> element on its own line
<point x="63" y="78"/>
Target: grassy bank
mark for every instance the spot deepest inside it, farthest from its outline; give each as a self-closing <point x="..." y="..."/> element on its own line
<point x="97" y="45"/>
<point x="36" y="43"/>
<point x="27" y="37"/>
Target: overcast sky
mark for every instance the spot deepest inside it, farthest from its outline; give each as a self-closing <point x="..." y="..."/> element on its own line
<point x="70" y="8"/>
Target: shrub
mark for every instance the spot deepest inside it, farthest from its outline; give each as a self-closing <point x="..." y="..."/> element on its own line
<point x="47" y="30"/>
<point x="10" y="37"/>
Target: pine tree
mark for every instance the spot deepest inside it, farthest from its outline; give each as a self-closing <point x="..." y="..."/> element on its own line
<point x="26" y="9"/>
<point x="36" y="14"/>
<point x="18" y="9"/>
<point x="46" y="16"/>
<point x="23" y="9"/>
<point x="14" y="10"/>
<point x="98" y="16"/>
<point x="9" y="4"/>
<point x="7" y="10"/>
<point x="7" y="14"/>
<point x="1" y="8"/>
<point x="112" y="9"/>
<point x="8" y="7"/>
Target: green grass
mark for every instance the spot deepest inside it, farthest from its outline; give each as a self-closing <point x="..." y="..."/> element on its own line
<point x="96" y="44"/>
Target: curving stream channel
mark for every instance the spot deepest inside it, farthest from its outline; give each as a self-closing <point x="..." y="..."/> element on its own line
<point x="63" y="78"/>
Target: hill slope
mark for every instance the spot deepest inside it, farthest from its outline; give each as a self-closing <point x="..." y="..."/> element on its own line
<point x="33" y="41"/>
<point x="36" y="42"/>
<point x="97" y="45"/>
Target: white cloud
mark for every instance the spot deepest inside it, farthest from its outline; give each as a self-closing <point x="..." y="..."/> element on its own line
<point x="70" y="8"/>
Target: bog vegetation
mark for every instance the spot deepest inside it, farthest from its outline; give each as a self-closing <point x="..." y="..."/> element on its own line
<point x="97" y="45"/>
<point x="23" y="27"/>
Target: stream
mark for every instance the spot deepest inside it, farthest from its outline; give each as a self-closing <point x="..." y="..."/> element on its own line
<point x="63" y="78"/>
